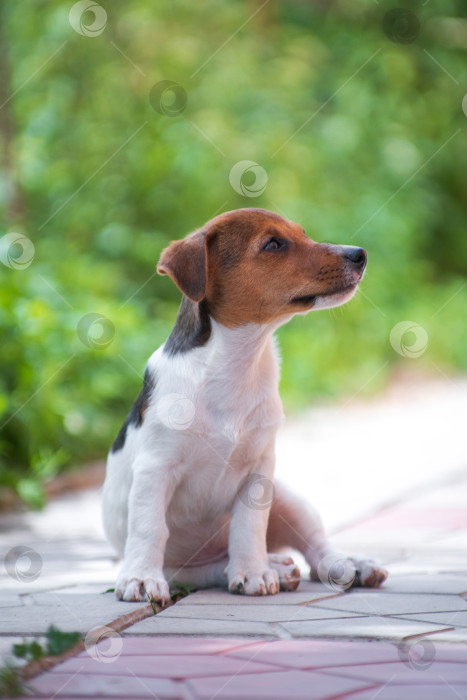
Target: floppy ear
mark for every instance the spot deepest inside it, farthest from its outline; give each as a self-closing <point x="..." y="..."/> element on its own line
<point x="185" y="262"/>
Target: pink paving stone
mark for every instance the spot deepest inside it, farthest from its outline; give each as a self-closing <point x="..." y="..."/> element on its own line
<point x="410" y="692"/>
<point x="59" y="685"/>
<point x="455" y="653"/>
<point x="161" y="666"/>
<point x="317" y="654"/>
<point x="132" y="646"/>
<point x="400" y="674"/>
<point x="284" y="685"/>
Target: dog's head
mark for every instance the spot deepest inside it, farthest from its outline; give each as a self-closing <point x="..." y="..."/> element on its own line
<point x="253" y="266"/>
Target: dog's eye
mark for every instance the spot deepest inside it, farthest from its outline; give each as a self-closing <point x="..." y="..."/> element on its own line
<point x="273" y="244"/>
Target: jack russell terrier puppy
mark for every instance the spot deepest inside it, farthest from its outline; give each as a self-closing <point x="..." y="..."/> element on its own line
<point x="189" y="492"/>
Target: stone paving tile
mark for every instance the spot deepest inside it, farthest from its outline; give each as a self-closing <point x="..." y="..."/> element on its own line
<point x="435" y="583"/>
<point x="457" y="635"/>
<point x="430" y="562"/>
<point x="214" y="628"/>
<point x="161" y="666"/>
<point x="131" y="646"/>
<point x="68" y="611"/>
<point x="279" y="685"/>
<point x="377" y="602"/>
<point x="10" y="601"/>
<point x="266" y="613"/>
<point x="308" y="591"/>
<point x="306" y="654"/>
<point x="360" y="627"/>
<point x="398" y="673"/>
<point x="419" y="692"/>
<point x="67" y="574"/>
<point x="450" y="619"/>
<point x="57" y="685"/>
<point x="455" y="653"/>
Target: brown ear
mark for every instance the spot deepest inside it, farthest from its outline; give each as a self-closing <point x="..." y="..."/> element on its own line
<point x="185" y="262"/>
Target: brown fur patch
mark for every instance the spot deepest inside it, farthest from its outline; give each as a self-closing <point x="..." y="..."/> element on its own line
<point x="243" y="282"/>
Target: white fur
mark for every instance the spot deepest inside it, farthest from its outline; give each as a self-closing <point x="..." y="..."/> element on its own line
<point x="173" y="503"/>
<point x="213" y="421"/>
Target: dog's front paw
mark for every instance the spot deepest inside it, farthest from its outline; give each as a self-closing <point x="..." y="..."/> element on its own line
<point x="253" y="581"/>
<point x="142" y="587"/>
<point x="341" y="572"/>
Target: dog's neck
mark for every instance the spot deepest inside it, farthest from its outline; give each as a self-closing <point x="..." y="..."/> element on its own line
<point x="232" y="373"/>
<point x="195" y="328"/>
<point x="192" y="328"/>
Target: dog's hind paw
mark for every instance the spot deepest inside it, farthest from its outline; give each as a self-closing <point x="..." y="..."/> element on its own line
<point x="288" y="571"/>
<point x="340" y="572"/>
<point x="370" y="573"/>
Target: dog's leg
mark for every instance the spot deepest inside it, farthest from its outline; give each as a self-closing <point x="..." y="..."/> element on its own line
<point x="141" y="576"/>
<point x="293" y="523"/>
<point x="248" y="569"/>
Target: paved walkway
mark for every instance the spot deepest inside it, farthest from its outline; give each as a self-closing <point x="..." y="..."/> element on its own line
<point x="405" y="640"/>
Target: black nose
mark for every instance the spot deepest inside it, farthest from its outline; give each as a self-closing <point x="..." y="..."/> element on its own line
<point x="357" y="256"/>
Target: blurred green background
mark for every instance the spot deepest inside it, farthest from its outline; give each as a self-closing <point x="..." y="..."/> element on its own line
<point x="100" y="178"/>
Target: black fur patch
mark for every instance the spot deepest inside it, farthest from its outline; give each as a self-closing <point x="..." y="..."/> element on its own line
<point x="192" y="327"/>
<point x="136" y="414"/>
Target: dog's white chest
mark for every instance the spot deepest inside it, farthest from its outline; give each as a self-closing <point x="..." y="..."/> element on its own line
<point x="215" y="407"/>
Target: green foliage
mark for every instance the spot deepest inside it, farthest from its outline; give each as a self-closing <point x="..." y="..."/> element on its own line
<point x="30" y="651"/>
<point x="11" y="684"/>
<point x="180" y="590"/>
<point x="101" y="182"/>
<point x="56" y="643"/>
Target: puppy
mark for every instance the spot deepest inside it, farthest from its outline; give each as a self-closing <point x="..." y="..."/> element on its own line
<point x="189" y="492"/>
